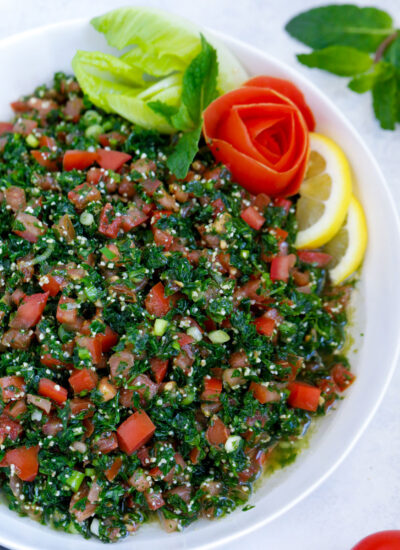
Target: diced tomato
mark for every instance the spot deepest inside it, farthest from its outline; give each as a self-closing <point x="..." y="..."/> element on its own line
<point x="107" y="340"/>
<point x="16" y="408"/>
<point x="218" y="206"/>
<point x="93" y="345"/>
<point x="12" y="387"/>
<point x="194" y="455"/>
<point x="109" y="225"/>
<point x="141" y="385"/>
<point x="265" y="325"/>
<point x="106" y="443"/>
<point x="280" y="267"/>
<point x="52" y="284"/>
<point x="78" y="160"/>
<point x="9" y="428"/>
<point x="15" y="198"/>
<point x="84" y="194"/>
<point x="83" y="380"/>
<point x="156" y="302"/>
<point x="261" y="201"/>
<point x="212" y="389"/>
<point x="135" y="431"/>
<point x="73" y="108"/>
<point x="105" y="140"/>
<point x="139" y="480"/>
<point x="30" y="311"/>
<point x="24" y="126"/>
<point x="342" y="376"/>
<point x="20" y="106"/>
<point x="94" y="175"/>
<point x="44" y="159"/>
<point x="303" y="396"/>
<point x="144" y="456"/>
<point x="79" y="404"/>
<point x="47" y="141"/>
<point x="283" y="203"/>
<point x="54" y="391"/>
<point x="86" y="511"/>
<point x="17" y="296"/>
<point x="25" y="461"/>
<point x="67" y="313"/>
<point x="112" y="472"/>
<point x="52" y="426"/>
<point x="184" y="339"/>
<point x="33" y="227"/>
<point x="112" y="160"/>
<point x="150" y="186"/>
<point x="217" y="433"/>
<point x="253" y="218"/>
<point x="329" y="390"/>
<point x="133" y="218"/>
<point x="320" y="259"/>
<point x="5" y="127"/>
<point x="162" y="238"/>
<point x="159" y="368"/>
<point x="295" y="364"/>
<point x="154" y="500"/>
<point x="263" y="394"/>
<point x="279" y="234"/>
<point x="49" y="361"/>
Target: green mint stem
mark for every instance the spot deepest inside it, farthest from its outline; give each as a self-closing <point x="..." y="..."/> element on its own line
<point x="384" y="45"/>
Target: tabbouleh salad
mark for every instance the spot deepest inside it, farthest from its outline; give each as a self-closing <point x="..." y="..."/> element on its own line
<point x="160" y="338"/>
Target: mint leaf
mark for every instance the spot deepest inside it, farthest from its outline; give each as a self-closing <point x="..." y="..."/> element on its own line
<point x="386" y="102"/>
<point x="392" y="54"/>
<point x="185" y="151"/>
<point x="199" y="88"/>
<point x="163" y="109"/>
<point x="340" y="60"/>
<point x="200" y="81"/>
<point x="380" y="72"/>
<point x="345" y="25"/>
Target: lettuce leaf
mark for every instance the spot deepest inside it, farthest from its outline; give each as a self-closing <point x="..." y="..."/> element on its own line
<point x="161" y="47"/>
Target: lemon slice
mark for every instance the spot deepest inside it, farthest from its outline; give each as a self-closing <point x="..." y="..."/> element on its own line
<point x="324" y="194"/>
<point x="348" y="246"/>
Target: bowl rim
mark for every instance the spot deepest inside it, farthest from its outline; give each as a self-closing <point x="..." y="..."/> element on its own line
<point x="293" y="73"/>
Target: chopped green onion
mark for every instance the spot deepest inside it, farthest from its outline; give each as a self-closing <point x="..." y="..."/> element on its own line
<point x="64" y="334"/>
<point x="195" y="333"/>
<point x="245" y="254"/>
<point x="232" y="444"/>
<point x="94" y="131"/>
<point x="189" y="395"/>
<point x="84" y="354"/>
<point x="218" y="336"/>
<point x="32" y="141"/>
<point x="160" y="326"/>
<point x="90" y="118"/>
<point x="37" y="415"/>
<point x="75" y="480"/>
<point x="86" y="218"/>
<point x="109" y="254"/>
<point x="90" y="290"/>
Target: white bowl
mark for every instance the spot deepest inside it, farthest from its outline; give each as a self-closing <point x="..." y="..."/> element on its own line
<point x="30" y="59"/>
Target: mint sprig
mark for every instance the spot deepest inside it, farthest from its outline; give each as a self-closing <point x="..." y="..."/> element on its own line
<point x="199" y="89"/>
<point x="355" y="42"/>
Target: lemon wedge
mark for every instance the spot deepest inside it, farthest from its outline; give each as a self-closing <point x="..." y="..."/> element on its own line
<point x="324" y="194"/>
<point x="348" y="246"/>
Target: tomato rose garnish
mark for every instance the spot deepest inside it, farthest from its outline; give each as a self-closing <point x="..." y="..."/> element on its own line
<point x="260" y="132"/>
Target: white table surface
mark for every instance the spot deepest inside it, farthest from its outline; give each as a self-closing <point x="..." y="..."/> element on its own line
<point x="363" y="495"/>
